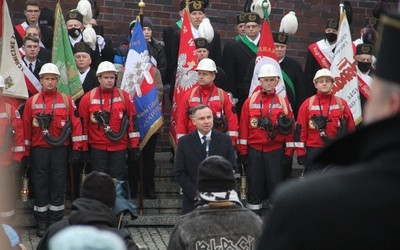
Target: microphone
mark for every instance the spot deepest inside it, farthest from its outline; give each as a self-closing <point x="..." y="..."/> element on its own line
<point x="207" y="143"/>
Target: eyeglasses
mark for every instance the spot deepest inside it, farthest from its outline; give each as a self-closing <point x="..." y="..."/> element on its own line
<point x="33" y="11"/>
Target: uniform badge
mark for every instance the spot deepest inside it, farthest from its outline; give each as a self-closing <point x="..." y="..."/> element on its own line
<point x="121" y="114"/>
<point x="311" y="124"/>
<point x="62" y="123"/>
<point x="35" y="123"/>
<point x="218" y="114"/>
<point x="92" y="119"/>
<point x="253" y="122"/>
<point x="17" y="115"/>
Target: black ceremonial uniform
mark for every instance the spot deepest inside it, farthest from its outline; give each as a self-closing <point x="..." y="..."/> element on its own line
<point x="168" y="33"/>
<point x="294" y="71"/>
<point x="236" y="67"/>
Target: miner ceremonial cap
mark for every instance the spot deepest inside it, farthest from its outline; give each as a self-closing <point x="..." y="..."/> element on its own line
<point x="332" y="24"/>
<point x="201" y="43"/>
<point x="82" y="47"/>
<point x="74" y="15"/>
<point x="240" y="18"/>
<point x="374" y="22"/>
<point x="387" y="47"/>
<point x="252" y="17"/>
<point x="364" y="48"/>
<point x="280" y="37"/>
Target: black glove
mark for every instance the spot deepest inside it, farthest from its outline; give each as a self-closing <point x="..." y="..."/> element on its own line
<point x="85" y="156"/>
<point x="302" y="160"/>
<point x="135" y="154"/>
<point x="27" y="160"/>
<point x="75" y="157"/>
<point x="287" y="161"/>
<point x="243" y="159"/>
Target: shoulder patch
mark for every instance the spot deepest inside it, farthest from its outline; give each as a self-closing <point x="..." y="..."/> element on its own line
<point x="17" y="114"/>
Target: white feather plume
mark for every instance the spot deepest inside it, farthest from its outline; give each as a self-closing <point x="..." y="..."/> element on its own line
<point x="289" y="23"/>
<point x="206" y="30"/>
<point x="90" y="37"/>
<point x="85" y="8"/>
<point x="256" y="6"/>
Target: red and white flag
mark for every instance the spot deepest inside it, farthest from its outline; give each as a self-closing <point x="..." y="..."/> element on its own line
<point x="344" y="71"/>
<point x="186" y="74"/>
<point x="266" y="55"/>
<point x="10" y="60"/>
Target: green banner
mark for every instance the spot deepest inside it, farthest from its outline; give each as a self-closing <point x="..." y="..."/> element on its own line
<point x="63" y="57"/>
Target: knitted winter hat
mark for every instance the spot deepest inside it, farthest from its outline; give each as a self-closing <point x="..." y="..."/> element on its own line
<point x="215" y="174"/>
<point x="99" y="186"/>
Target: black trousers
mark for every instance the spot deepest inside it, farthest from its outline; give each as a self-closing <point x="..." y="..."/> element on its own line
<point x="149" y="166"/>
<point x="50" y="177"/>
<point x="110" y="162"/>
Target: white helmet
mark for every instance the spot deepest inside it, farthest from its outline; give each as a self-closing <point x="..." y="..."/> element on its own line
<point x="49" y="68"/>
<point x="207" y="64"/>
<point x="267" y="70"/>
<point x="2" y="85"/>
<point x="105" y="67"/>
<point x="323" y="72"/>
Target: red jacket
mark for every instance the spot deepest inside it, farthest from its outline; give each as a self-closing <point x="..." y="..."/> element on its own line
<point x="256" y="137"/>
<point x="16" y="150"/>
<point x="309" y="135"/>
<point x="209" y="95"/>
<point x="63" y="110"/>
<point x="94" y="132"/>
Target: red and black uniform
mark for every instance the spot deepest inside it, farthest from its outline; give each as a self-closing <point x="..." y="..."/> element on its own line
<point x="212" y="96"/>
<point x="50" y="162"/>
<point x="12" y="148"/>
<point x="106" y="155"/>
<point x="265" y="148"/>
<point x="310" y="139"/>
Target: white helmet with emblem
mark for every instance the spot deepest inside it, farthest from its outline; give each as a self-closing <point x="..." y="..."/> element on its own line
<point x="207" y="64"/>
<point x="106" y="66"/>
<point x="268" y="70"/>
<point x="323" y="72"/>
<point x="49" y="68"/>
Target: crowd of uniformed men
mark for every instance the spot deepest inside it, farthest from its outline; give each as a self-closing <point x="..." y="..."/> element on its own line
<point x="265" y="127"/>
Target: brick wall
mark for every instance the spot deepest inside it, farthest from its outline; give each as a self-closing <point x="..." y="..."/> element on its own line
<point x="115" y="16"/>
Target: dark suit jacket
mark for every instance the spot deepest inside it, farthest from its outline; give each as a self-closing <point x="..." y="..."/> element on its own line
<point x="91" y="81"/>
<point x="190" y="153"/>
<point x="47" y="37"/>
<point x="168" y="33"/>
<point x="44" y="55"/>
<point x="36" y="71"/>
<point x="354" y="206"/>
<point x="237" y="61"/>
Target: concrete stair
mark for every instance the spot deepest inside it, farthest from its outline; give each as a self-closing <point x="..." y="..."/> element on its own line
<point x="163" y="211"/>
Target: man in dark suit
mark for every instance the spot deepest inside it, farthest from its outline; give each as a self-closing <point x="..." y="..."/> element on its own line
<point x="31" y="64"/>
<point x="44" y="54"/>
<point x="196" y="17"/>
<point x="32" y="13"/>
<point x="86" y="73"/>
<point x="355" y="205"/>
<point x="168" y="33"/>
<point x="237" y="59"/>
<point x="194" y="147"/>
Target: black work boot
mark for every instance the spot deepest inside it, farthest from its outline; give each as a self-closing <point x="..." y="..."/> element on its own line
<point x="41" y="229"/>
